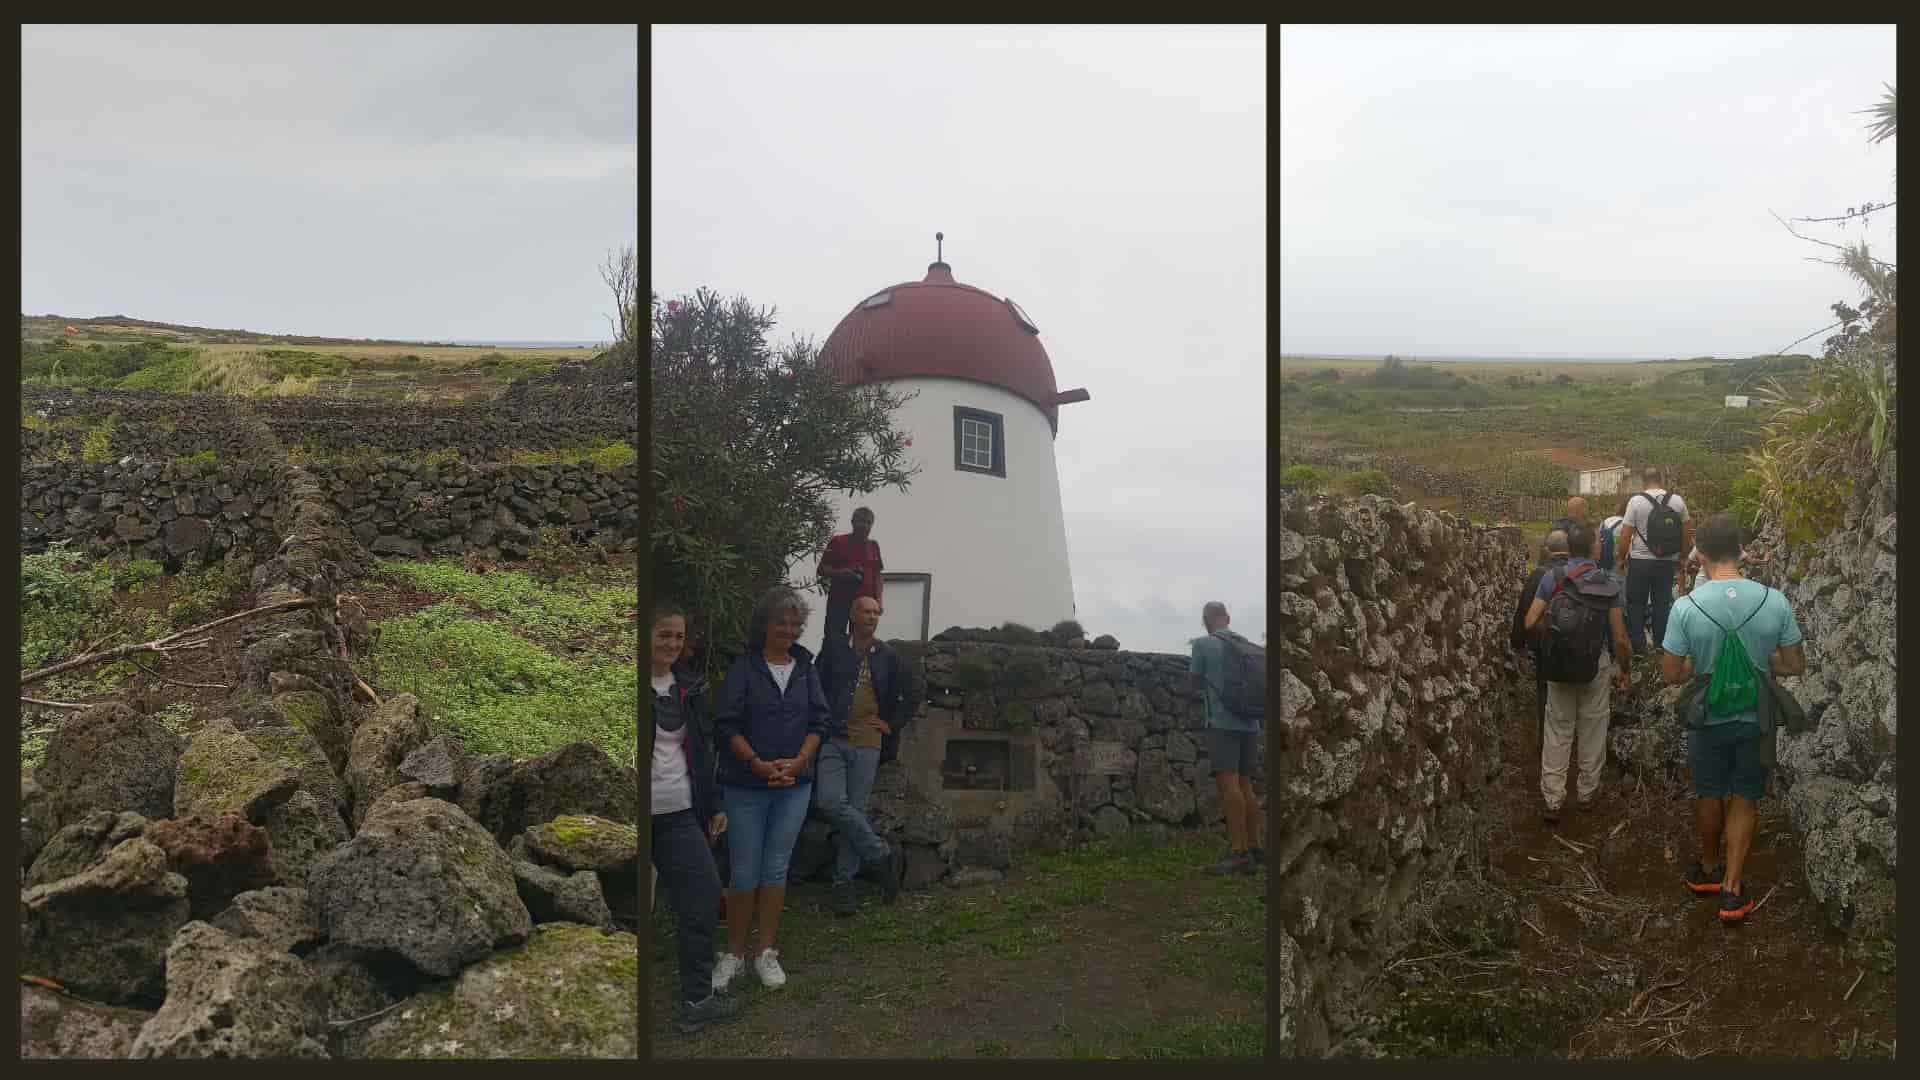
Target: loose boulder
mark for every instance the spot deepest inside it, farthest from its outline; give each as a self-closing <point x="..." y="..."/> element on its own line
<point x="56" y="1026"/>
<point x="299" y="751"/>
<point x="569" y="992"/>
<point x="379" y="747"/>
<point x="424" y="880"/>
<point x="221" y="771"/>
<point x="553" y="896"/>
<point x="109" y="758"/>
<point x="437" y="763"/>
<point x="229" y="997"/>
<point x="585" y="842"/>
<point x="83" y="844"/>
<point x="279" y="917"/>
<point x="299" y="831"/>
<point x="220" y="856"/>
<point x="511" y="797"/>
<point x="103" y="933"/>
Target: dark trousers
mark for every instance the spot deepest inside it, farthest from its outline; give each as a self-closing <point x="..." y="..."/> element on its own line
<point x="838" y="612"/>
<point x="1648" y="580"/>
<point x="692" y="885"/>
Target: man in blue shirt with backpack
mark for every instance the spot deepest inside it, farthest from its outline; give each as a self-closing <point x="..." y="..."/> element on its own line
<point x="1724" y="631"/>
<point x="1231" y="672"/>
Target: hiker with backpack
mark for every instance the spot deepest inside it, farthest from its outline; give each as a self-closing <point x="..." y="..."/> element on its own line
<point x="1726" y="642"/>
<point x="1610" y="534"/>
<point x="1655" y="534"/>
<point x="1232" y="674"/>
<point x="1577" y="612"/>
<point x="1576" y="512"/>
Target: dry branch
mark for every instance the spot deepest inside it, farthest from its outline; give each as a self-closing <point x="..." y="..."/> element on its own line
<point x="54" y="704"/>
<point x="178" y="682"/>
<point x="170" y="643"/>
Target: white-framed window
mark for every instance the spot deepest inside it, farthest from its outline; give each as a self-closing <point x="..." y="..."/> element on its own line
<point x="979" y="441"/>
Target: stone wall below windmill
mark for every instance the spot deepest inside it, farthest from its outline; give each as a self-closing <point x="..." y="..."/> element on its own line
<point x="1397" y="681"/>
<point x="1035" y="748"/>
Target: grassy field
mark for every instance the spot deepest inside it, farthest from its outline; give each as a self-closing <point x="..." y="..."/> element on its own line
<point x="1487" y="419"/>
<point x="516" y="661"/>
<point x="1103" y="952"/>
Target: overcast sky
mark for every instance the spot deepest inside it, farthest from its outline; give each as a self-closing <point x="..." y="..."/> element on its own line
<point x="1113" y="181"/>
<point x="406" y="182"/>
<point x="1571" y="192"/>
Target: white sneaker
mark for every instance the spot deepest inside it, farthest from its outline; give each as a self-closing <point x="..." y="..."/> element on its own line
<point x="767" y="964"/>
<point x="724" y="969"/>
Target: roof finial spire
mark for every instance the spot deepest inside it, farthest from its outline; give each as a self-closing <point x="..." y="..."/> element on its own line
<point x="938" y="244"/>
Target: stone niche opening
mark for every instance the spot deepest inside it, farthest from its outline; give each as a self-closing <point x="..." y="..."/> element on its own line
<point x="986" y="765"/>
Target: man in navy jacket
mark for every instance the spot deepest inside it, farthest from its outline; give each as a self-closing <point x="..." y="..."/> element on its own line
<point x="866" y="685"/>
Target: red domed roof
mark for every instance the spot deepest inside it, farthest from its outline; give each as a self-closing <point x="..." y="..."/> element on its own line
<point x="939" y="327"/>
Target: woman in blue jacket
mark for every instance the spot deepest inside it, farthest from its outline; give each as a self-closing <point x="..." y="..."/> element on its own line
<point x="773" y="717"/>
<point x="686" y="816"/>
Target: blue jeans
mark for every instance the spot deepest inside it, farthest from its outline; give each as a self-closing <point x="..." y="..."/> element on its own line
<point x="762" y="825"/>
<point x="1648" y="579"/>
<point x="843" y="783"/>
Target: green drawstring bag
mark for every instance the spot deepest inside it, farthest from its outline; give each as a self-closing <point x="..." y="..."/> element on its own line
<point x="1735" y="687"/>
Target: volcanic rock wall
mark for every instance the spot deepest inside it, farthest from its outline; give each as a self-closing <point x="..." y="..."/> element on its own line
<point x="1027" y="747"/>
<point x="1396" y="681"/>
<point x="1839" y="778"/>
<point x="168" y="510"/>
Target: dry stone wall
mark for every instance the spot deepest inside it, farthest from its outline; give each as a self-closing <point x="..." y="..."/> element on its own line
<point x="1035" y="748"/>
<point x="1396" y="679"/>
<point x="1839" y="778"/>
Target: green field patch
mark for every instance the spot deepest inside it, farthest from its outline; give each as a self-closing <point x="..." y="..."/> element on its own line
<point x="502" y="693"/>
<point x="590" y="605"/>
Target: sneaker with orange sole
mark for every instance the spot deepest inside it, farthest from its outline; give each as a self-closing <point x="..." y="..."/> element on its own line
<point x="1702" y="882"/>
<point x="1734" y="906"/>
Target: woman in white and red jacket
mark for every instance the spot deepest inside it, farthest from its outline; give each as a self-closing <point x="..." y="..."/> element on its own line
<point x="686" y="817"/>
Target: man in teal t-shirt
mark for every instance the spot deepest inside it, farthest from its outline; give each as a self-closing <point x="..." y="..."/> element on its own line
<point x="1232" y="743"/>
<point x="1724" y="752"/>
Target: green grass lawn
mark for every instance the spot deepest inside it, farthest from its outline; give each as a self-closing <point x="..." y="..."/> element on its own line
<point x="1104" y="952"/>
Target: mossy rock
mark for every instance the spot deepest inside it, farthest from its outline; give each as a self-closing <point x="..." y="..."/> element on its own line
<point x="584" y="842"/>
<point x="973" y="672"/>
<point x="570" y="991"/>
<point x="1019" y="716"/>
<point x="223" y="770"/>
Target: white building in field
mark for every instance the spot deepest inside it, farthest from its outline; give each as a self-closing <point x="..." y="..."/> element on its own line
<point x="978" y="538"/>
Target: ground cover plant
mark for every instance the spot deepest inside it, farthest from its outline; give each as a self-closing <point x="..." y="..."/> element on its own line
<point x="512" y="661"/>
<point x="1120" y="949"/>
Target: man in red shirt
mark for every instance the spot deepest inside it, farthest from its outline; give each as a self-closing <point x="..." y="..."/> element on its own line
<point x="851" y="567"/>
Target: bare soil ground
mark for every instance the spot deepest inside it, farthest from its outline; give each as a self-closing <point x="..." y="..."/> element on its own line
<point x="1606" y="955"/>
<point x="1085" y="955"/>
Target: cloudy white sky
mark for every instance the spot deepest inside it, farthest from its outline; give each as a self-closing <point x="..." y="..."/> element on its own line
<point x="406" y="182"/>
<point x="1113" y="180"/>
<point x="1570" y="192"/>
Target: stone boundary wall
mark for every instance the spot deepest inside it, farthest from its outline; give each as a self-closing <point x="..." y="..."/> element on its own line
<point x="154" y="425"/>
<point x="1396" y="677"/>
<point x="1098" y="743"/>
<point x="1840" y="783"/>
<point x="167" y="510"/>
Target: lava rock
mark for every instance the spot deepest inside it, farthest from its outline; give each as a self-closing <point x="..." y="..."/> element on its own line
<point x="552" y="896"/>
<point x="568" y="992"/>
<point x="280" y="917"/>
<point x="299" y="831"/>
<point x="109" y="758"/>
<point x="438" y="763"/>
<point x="56" y="1026"/>
<point x="83" y="844"/>
<point x="511" y="797"/>
<point x="103" y="933"/>
<point x="585" y="842"/>
<point x="230" y="997"/>
<point x="220" y="856"/>
<point x="222" y="771"/>
<point x="424" y="880"/>
<point x="380" y="746"/>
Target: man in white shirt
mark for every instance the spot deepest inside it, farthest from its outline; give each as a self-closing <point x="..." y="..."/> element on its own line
<point x="1647" y="554"/>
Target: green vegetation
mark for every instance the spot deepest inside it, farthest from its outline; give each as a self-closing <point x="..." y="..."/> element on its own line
<point x="1305" y="477"/>
<point x="1053" y="913"/>
<point x="749" y="439"/>
<point x="203" y="459"/>
<point x="513" y="664"/>
<point x="1366" y="482"/>
<point x="608" y="455"/>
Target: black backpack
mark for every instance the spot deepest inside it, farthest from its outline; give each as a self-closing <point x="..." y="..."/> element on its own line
<point x="1665" y="529"/>
<point x="1577" y="624"/>
<point x="1243" y="677"/>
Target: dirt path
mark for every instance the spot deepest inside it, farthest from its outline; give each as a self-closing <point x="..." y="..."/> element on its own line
<point x="1083" y="955"/>
<point x="1606" y="954"/>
